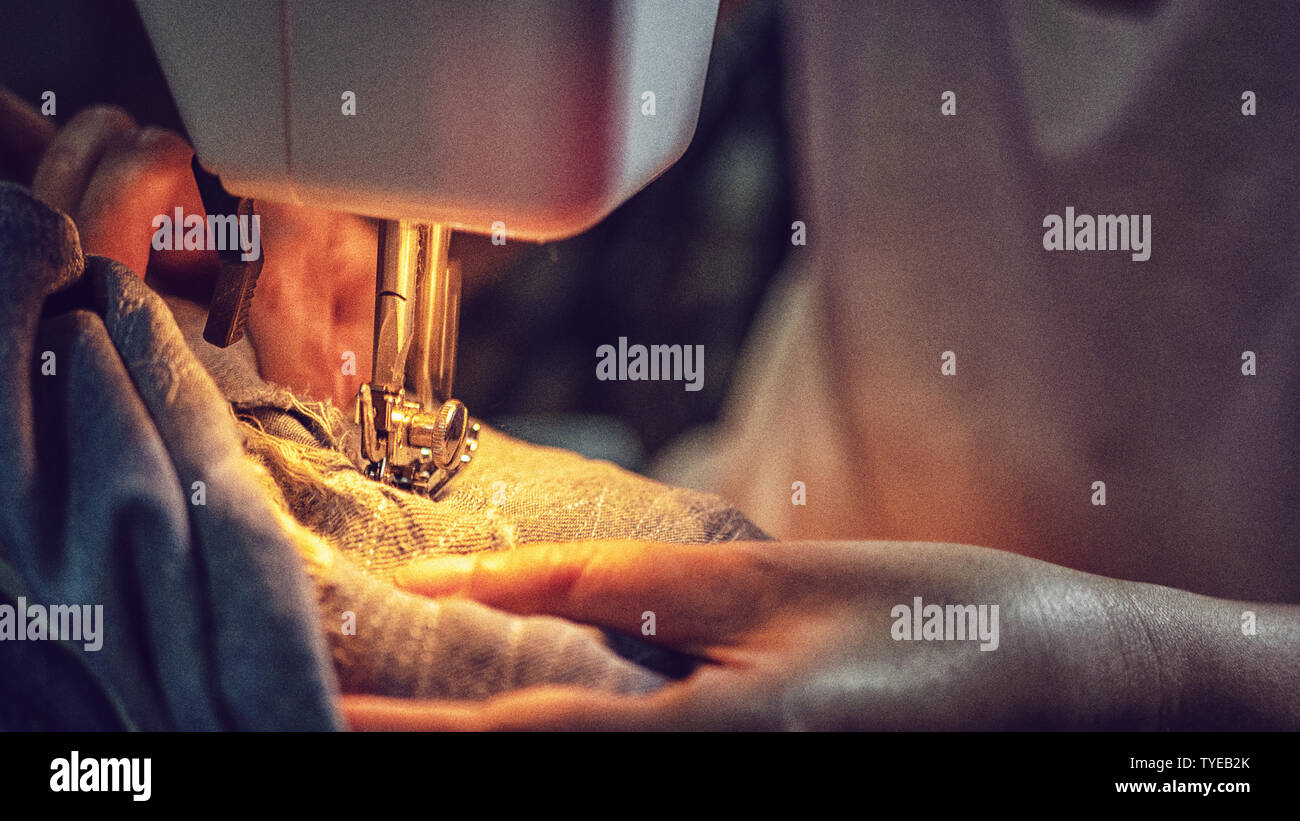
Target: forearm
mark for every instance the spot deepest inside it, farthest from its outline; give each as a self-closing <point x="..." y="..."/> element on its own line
<point x="1221" y="664"/>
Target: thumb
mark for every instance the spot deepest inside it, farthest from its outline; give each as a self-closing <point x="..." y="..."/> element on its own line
<point x="693" y="594"/>
<point x="537" y="708"/>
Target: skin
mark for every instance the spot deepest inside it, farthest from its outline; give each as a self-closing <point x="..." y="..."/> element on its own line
<point x="790" y="635"/>
<point x="797" y="635"/>
<point x="113" y="177"/>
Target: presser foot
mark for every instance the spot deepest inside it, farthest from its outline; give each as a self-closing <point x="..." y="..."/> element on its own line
<point x="408" y="447"/>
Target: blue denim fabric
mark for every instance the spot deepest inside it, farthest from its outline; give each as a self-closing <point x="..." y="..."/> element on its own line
<point x="207" y="609"/>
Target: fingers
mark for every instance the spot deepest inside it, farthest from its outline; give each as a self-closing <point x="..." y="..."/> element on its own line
<point x="114" y="178"/>
<point x="319" y="275"/>
<point x="140" y="176"/>
<point x="24" y="137"/>
<point x="538" y="708"/>
<point x="696" y="595"/>
<point x="74" y="153"/>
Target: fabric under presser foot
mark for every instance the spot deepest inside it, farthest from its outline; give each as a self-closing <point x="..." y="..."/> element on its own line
<point x="514" y="493"/>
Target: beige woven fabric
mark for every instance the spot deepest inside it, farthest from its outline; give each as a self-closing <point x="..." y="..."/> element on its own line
<point x="355" y="534"/>
<point x="512" y="494"/>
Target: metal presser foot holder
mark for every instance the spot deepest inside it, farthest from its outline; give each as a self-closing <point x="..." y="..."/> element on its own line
<point x="414" y="435"/>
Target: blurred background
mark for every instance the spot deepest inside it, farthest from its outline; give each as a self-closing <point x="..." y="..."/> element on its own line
<point x="686" y="261"/>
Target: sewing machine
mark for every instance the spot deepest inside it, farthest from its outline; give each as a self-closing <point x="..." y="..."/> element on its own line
<point x="523" y="119"/>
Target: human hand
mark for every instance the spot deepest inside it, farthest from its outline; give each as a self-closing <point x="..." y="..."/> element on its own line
<point x="113" y="177"/>
<point x="799" y="636"/>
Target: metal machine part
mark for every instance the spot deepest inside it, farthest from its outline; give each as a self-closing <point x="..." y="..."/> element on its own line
<point x="537" y="117"/>
<point x="232" y="295"/>
<point x="414" y="434"/>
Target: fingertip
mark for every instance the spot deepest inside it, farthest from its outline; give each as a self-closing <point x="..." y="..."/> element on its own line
<point x="103" y="117"/>
<point x="163" y="141"/>
<point x="69" y="160"/>
<point x="547" y="708"/>
<point x="135" y="180"/>
<point x="563" y="708"/>
<point x="438" y="576"/>
<point x="371" y="713"/>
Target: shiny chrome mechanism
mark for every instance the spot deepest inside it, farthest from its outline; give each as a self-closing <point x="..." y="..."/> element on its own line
<point x="414" y="435"/>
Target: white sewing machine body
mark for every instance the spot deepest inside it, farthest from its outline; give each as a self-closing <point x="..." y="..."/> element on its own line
<point x="540" y="116"/>
<point x="528" y="119"/>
